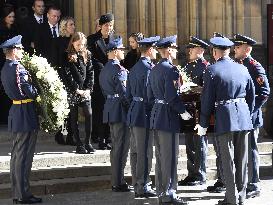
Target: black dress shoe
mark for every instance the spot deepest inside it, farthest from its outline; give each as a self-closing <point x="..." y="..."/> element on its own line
<point x="252" y="193"/>
<point x="196" y="182"/>
<point x="81" y="150"/>
<point x="31" y="200"/>
<point x="186" y="181"/>
<point x="174" y="201"/>
<point x="146" y="194"/>
<point x="121" y="188"/>
<point x="218" y="187"/>
<point x="59" y="138"/>
<point x="102" y="146"/>
<point x="89" y="148"/>
<point x="224" y="202"/>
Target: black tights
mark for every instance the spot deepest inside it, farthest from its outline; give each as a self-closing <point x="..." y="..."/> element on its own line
<point x="86" y="106"/>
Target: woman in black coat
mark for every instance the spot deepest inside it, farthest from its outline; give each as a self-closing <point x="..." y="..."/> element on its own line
<point x="80" y="81"/>
<point x="8" y="29"/>
<point x="133" y="55"/>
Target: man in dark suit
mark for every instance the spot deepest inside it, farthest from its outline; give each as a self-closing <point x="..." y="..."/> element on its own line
<point x="43" y="43"/>
<point x="229" y="92"/>
<point x="31" y="25"/>
<point x="97" y="43"/>
<point x="43" y="40"/>
<point x="22" y="120"/>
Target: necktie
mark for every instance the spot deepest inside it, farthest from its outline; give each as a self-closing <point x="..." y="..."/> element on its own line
<point x="54" y="32"/>
<point x="40" y="21"/>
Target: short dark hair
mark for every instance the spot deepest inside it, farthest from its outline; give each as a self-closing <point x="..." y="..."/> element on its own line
<point x="6" y="10"/>
<point x="53" y="7"/>
<point x="144" y="48"/>
<point x="34" y="1"/>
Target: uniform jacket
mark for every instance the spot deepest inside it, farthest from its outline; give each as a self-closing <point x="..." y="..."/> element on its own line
<point x="139" y="111"/>
<point x="112" y="81"/>
<point x="262" y="88"/>
<point x="78" y="75"/>
<point x="226" y="80"/>
<point x="17" y="85"/>
<point x="196" y="69"/>
<point x="161" y="86"/>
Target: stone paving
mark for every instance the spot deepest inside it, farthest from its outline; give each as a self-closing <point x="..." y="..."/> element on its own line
<point x="194" y="195"/>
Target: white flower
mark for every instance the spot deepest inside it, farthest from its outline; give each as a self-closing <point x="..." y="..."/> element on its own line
<point x="53" y="97"/>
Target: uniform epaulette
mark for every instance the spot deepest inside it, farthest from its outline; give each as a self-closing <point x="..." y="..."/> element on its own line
<point x="120" y="67"/>
<point x="205" y="62"/>
<point x="253" y="62"/>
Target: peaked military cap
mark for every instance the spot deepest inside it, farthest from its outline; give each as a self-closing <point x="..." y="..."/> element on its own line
<point x="14" y="42"/>
<point x="114" y="44"/>
<point x="196" y="42"/>
<point x="106" y="18"/>
<point x="150" y="41"/>
<point x="240" y="39"/>
<point x="221" y="42"/>
<point x="169" y="41"/>
<point x="216" y="34"/>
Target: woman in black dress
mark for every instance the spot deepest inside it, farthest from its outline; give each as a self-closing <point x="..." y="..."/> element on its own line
<point x="60" y="44"/>
<point x="8" y="29"/>
<point x="80" y="81"/>
<point x="133" y="55"/>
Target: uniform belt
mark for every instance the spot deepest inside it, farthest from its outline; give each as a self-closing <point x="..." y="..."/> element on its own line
<point x="223" y="102"/>
<point x="112" y="96"/>
<point x="138" y="99"/>
<point x="18" y="102"/>
<point x="161" y="101"/>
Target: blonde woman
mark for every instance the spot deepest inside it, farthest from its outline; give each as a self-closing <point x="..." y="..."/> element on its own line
<point x="60" y="44"/>
<point x="80" y="81"/>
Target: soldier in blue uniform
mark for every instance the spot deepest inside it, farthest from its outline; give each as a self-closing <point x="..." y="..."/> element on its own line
<point x="196" y="147"/>
<point x="229" y="92"/>
<point x="112" y="80"/>
<point x="219" y="185"/>
<point x="167" y="109"/>
<point x="243" y="48"/>
<point x="22" y="120"/>
<point x="141" y="149"/>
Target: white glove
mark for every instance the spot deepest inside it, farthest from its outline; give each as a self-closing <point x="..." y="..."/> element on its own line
<point x="201" y="131"/>
<point x="186" y="115"/>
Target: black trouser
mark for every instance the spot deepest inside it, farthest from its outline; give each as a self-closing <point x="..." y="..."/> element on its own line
<point x="86" y="106"/>
<point x="100" y="130"/>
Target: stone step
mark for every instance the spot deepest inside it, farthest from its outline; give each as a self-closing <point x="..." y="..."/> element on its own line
<point x="66" y="156"/>
<point x="95" y="168"/>
<point x="93" y="183"/>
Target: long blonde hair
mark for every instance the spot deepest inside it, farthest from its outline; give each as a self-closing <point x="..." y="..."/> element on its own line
<point x="85" y="53"/>
<point x="63" y="25"/>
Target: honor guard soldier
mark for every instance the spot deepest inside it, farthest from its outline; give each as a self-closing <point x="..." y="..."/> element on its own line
<point x="229" y="92"/>
<point x="112" y="80"/>
<point x="196" y="147"/>
<point x="165" y="120"/>
<point x="141" y="149"/>
<point x="243" y="48"/>
<point x="22" y="120"/>
<point x="218" y="186"/>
